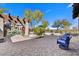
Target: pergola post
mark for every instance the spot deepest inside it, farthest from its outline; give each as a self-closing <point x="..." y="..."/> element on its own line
<point x="26" y="28"/>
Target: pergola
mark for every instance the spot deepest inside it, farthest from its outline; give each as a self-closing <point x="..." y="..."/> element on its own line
<point x="9" y="20"/>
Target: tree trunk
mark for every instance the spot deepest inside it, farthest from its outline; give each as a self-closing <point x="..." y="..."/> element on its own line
<point x="57" y="29"/>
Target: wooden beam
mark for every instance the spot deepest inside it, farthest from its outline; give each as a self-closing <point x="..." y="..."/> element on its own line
<point x="19" y="20"/>
<point x="10" y="17"/>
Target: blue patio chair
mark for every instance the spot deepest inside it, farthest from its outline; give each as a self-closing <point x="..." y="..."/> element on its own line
<point x="64" y="40"/>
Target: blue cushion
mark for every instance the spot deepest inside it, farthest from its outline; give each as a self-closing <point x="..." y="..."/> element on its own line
<point x="61" y="42"/>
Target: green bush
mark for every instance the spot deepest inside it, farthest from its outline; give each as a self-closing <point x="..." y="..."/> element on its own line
<point x="39" y="30"/>
<point x="15" y="32"/>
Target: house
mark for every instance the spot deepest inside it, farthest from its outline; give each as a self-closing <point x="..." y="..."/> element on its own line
<point x="12" y="22"/>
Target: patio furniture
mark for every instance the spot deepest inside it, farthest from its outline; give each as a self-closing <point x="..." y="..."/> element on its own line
<point x="64" y="41"/>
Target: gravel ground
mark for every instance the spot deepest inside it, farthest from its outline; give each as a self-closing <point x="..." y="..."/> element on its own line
<point x="37" y="47"/>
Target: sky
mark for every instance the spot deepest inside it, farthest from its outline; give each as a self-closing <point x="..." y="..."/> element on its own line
<point x="51" y="11"/>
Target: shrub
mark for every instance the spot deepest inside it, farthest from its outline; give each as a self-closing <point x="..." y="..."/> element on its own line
<point x="14" y="32"/>
<point x="39" y="30"/>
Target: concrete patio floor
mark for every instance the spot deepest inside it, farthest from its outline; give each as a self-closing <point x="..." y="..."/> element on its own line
<point x="45" y="46"/>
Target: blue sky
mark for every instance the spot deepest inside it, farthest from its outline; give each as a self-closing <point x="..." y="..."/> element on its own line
<point x="52" y="11"/>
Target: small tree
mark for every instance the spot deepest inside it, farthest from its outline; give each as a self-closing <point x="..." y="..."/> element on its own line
<point x="57" y="24"/>
<point x="2" y="10"/>
<point x="28" y="15"/>
<point x="40" y="30"/>
<point x="45" y="24"/>
<point x="37" y="16"/>
<point x="33" y="17"/>
<point x="61" y="24"/>
<point x="65" y="24"/>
